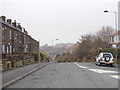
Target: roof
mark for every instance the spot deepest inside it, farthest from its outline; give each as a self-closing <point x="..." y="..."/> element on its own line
<point x="117" y="33"/>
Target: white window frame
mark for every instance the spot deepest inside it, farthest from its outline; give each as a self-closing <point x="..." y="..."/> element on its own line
<point x="3" y="48"/>
<point x="7" y="49"/>
<point x="10" y="34"/>
<point x="10" y="49"/>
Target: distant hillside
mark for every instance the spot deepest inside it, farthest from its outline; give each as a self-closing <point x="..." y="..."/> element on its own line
<point x="57" y="49"/>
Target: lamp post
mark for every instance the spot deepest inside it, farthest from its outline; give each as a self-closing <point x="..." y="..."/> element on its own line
<point x="115" y="13"/>
<point x="53" y="41"/>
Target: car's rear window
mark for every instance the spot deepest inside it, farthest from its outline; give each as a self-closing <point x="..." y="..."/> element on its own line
<point x="107" y="55"/>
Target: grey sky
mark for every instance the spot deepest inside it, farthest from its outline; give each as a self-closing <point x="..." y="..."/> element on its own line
<point x="66" y="20"/>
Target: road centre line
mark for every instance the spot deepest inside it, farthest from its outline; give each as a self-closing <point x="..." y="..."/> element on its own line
<point x="80" y="65"/>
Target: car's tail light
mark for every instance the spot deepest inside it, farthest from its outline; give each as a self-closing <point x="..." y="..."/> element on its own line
<point x="112" y="59"/>
<point x="101" y="59"/>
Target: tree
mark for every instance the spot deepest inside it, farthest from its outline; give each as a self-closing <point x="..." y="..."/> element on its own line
<point x="42" y="55"/>
<point x="104" y="33"/>
<point x="89" y="44"/>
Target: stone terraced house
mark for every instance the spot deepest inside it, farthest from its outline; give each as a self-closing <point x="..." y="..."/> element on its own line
<point x="15" y="38"/>
<point x="14" y="43"/>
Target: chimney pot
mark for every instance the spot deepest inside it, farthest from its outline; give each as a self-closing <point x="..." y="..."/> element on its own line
<point x="3" y="18"/>
<point x="24" y="29"/>
<point x="9" y="21"/>
<point x="19" y="26"/>
<point x="14" y="23"/>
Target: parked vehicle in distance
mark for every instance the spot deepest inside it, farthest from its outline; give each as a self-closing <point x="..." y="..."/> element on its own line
<point x="104" y="58"/>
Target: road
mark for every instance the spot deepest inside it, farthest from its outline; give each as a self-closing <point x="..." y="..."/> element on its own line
<point x="71" y="75"/>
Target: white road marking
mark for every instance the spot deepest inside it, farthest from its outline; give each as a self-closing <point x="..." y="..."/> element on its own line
<point x="115" y="76"/>
<point x="102" y="71"/>
<point x="80" y="65"/>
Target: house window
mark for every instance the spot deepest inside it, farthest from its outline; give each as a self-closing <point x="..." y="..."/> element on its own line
<point x="7" y="49"/>
<point x="10" y="49"/>
<point x="5" y="28"/>
<point x="3" y="31"/>
<point x="10" y="34"/>
<point x="3" y="48"/>
<point x="13" y="49"/>
<point x="113" y="39"/>
<point x="16" y="36"/>
<point x="24" y="38"/>
<point x="119" y="39"/>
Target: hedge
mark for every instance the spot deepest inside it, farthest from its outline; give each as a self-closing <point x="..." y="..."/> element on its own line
<point x="113" y="51"/>
<point x="33" y="53"/>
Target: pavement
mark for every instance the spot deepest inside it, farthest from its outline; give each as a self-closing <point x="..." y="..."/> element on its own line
<point x="11" y="76"/>
<point x="71" y="75"/>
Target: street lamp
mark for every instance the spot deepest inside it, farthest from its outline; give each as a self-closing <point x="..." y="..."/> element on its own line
<point x="53" y="41"/>
<point x="115" y="26"/>
<point x="39" y="51"/>
<point x="115" y="17"/>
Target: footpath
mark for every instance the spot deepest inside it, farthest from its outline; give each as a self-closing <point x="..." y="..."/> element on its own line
<point x="11" y="76"/>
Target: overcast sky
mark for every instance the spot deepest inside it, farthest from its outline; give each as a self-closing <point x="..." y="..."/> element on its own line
<point x="66" y="20"/>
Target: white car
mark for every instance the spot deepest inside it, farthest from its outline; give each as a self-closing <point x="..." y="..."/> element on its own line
<point x="105" y="58"/>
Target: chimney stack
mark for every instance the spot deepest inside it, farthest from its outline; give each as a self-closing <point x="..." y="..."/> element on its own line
<point x="3" y="18"/>
<point x="9" y="21"/>
<point x="19" y="26"/>
<point x="24" y="30"/>
<point x="14" y="23"/>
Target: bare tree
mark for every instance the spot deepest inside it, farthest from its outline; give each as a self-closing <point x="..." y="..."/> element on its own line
<point x="104" y="33"/>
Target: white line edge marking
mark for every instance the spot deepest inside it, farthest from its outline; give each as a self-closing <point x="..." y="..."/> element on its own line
<point x="102" y="71"/>
<point x="80" y="65"/>
<point x="115" y="76"/>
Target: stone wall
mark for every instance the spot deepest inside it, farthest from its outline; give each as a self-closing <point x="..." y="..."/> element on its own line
<point x="10" y="61"/>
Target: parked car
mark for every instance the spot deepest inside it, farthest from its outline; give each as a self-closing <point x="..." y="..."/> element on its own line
<point x="104" y="58"/>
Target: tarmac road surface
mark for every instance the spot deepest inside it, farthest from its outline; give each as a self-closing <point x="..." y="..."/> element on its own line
<point x="71" y="75"/>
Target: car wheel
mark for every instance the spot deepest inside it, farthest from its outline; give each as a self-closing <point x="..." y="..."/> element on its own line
<point x="99" y="64"/>
<point x="107" y="65"/>
<point x="111" y="65"/>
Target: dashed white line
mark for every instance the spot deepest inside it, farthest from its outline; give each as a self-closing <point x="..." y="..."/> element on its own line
<point x="80" y="65"/>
